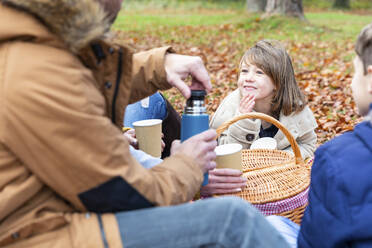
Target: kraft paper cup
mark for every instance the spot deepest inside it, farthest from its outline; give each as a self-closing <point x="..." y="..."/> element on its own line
<point x="229" y="156"/>
<point x="148" y="134"/>
<point x="264" y="143"/>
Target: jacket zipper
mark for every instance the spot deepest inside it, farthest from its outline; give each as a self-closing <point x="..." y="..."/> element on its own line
<point x="118" y="78"/>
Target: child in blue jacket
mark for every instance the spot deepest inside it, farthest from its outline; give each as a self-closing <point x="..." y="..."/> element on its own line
<point x="339" y="213"/>
<point x="340" y="199"/>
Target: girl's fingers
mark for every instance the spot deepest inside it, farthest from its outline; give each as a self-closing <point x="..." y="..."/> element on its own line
<point x="246" y="99"/>
<point x="251" y="106"/>
<point x="247" y="103"/>
<point x="249" y="97"/>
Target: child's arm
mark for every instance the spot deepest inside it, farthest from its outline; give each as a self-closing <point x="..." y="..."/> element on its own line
<point x="303" y="129"/>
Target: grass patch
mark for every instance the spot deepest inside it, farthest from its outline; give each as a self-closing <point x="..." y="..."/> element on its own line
<point x="144" y="21"/>
<point x="340" y="25"/>
<point x="184" y="5"/>
<point x="344" y="25"/>
<point x="327" y="5"/>
<point x="140" y="5"/>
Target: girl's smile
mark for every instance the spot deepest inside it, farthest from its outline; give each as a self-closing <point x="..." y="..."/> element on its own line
<point x="252" y="80"/>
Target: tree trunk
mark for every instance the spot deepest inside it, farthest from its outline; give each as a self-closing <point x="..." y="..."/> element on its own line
<point x="341" y="4"/>
<point x="285" y="7"/>
<point x="256" y="5"/>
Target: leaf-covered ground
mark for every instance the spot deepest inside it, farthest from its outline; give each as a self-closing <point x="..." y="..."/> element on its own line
<point x="322" y="55"/>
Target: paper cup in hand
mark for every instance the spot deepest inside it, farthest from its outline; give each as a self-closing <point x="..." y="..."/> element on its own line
<point x="264" y="143"/>
<point x="229" y="156"/>
<point x="148" y="134"/>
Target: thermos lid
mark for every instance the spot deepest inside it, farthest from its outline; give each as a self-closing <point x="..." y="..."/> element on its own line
<point x="195" y="104"/>
<point x="198" y="94"/>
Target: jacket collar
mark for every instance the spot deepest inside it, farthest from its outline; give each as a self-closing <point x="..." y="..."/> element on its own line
<point x="364" y="129"/>
<point x="364" y="132"/>
<point x="76" y="23"/>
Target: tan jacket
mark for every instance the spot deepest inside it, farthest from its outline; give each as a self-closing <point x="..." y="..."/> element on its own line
<point x="62" y="90"/>
<point x="301" y="125"/>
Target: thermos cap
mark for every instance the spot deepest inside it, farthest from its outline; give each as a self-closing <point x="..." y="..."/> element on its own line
<point x="195" y="104"/>
<point x="198" y="94"/>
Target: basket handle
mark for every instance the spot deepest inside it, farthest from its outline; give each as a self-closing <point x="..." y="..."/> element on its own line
<point x="270" y="119"/>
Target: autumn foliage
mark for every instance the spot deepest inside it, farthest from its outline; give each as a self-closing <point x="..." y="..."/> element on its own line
<point x="323" y="68"/>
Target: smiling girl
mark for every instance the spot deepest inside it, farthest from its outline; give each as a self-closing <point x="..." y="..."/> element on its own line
<point x="267" y="85"/>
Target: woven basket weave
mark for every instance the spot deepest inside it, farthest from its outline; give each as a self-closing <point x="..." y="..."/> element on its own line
<point x="273" y="175"/>
<point x="295" y="215"/>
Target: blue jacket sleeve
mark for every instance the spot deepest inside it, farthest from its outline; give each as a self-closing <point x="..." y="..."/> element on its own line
<point x="326" y="222"/>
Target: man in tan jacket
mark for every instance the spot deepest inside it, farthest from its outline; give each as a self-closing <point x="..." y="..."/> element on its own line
<point x="67" y="178"/>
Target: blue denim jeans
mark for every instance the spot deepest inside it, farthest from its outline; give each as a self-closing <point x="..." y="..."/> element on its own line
<point x="221" y="222"/>
<point x="153" y="107"/>
<point x="288" y="229"/>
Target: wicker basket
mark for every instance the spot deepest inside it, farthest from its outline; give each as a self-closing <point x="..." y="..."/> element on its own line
<point x="295" y="215"/>
<point x="273" y="175"/>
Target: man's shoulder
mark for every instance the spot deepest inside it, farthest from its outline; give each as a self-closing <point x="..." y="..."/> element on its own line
<point x="32" y="62"/>
<point x="36" y="54"/>
<point x="35" y="72"/>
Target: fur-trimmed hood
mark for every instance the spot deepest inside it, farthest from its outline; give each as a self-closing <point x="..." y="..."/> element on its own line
<point x="76" y="22"/>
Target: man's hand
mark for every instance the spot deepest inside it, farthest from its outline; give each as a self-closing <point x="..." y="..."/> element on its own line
<point x="179" y="67"/>
<point x="223" y="181"/>
<point x="199" y="147"/>
<point x="131" y="136"/>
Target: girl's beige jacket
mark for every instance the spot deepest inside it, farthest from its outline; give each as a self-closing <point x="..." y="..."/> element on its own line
<point x="301" y="125"/>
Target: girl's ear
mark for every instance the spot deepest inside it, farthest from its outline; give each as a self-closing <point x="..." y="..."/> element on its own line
<point x="369" y="78"/>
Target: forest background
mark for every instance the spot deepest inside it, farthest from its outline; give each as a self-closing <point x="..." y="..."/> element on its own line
<point x="219" y="31"/>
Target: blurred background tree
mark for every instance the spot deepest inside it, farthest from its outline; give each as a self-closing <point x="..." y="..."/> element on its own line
<point x="342" y="4"/>
<point x="292" y="8"/>
<point x="285" y="7"/>
<point x="256" y="5"/>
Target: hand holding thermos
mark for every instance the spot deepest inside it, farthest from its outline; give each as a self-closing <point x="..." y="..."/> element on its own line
<point x="194" y="120"/>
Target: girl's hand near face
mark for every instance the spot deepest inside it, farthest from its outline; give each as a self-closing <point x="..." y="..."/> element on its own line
<point x="247" y="103"/>
<point x="223" y="181"/>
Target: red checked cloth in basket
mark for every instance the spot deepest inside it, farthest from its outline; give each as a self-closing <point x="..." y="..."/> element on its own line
<point x="273" y="208"/>
<point x="297" y="201"/>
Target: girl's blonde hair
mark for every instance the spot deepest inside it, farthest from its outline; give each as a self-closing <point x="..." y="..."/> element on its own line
<point x="272" y="58"/>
